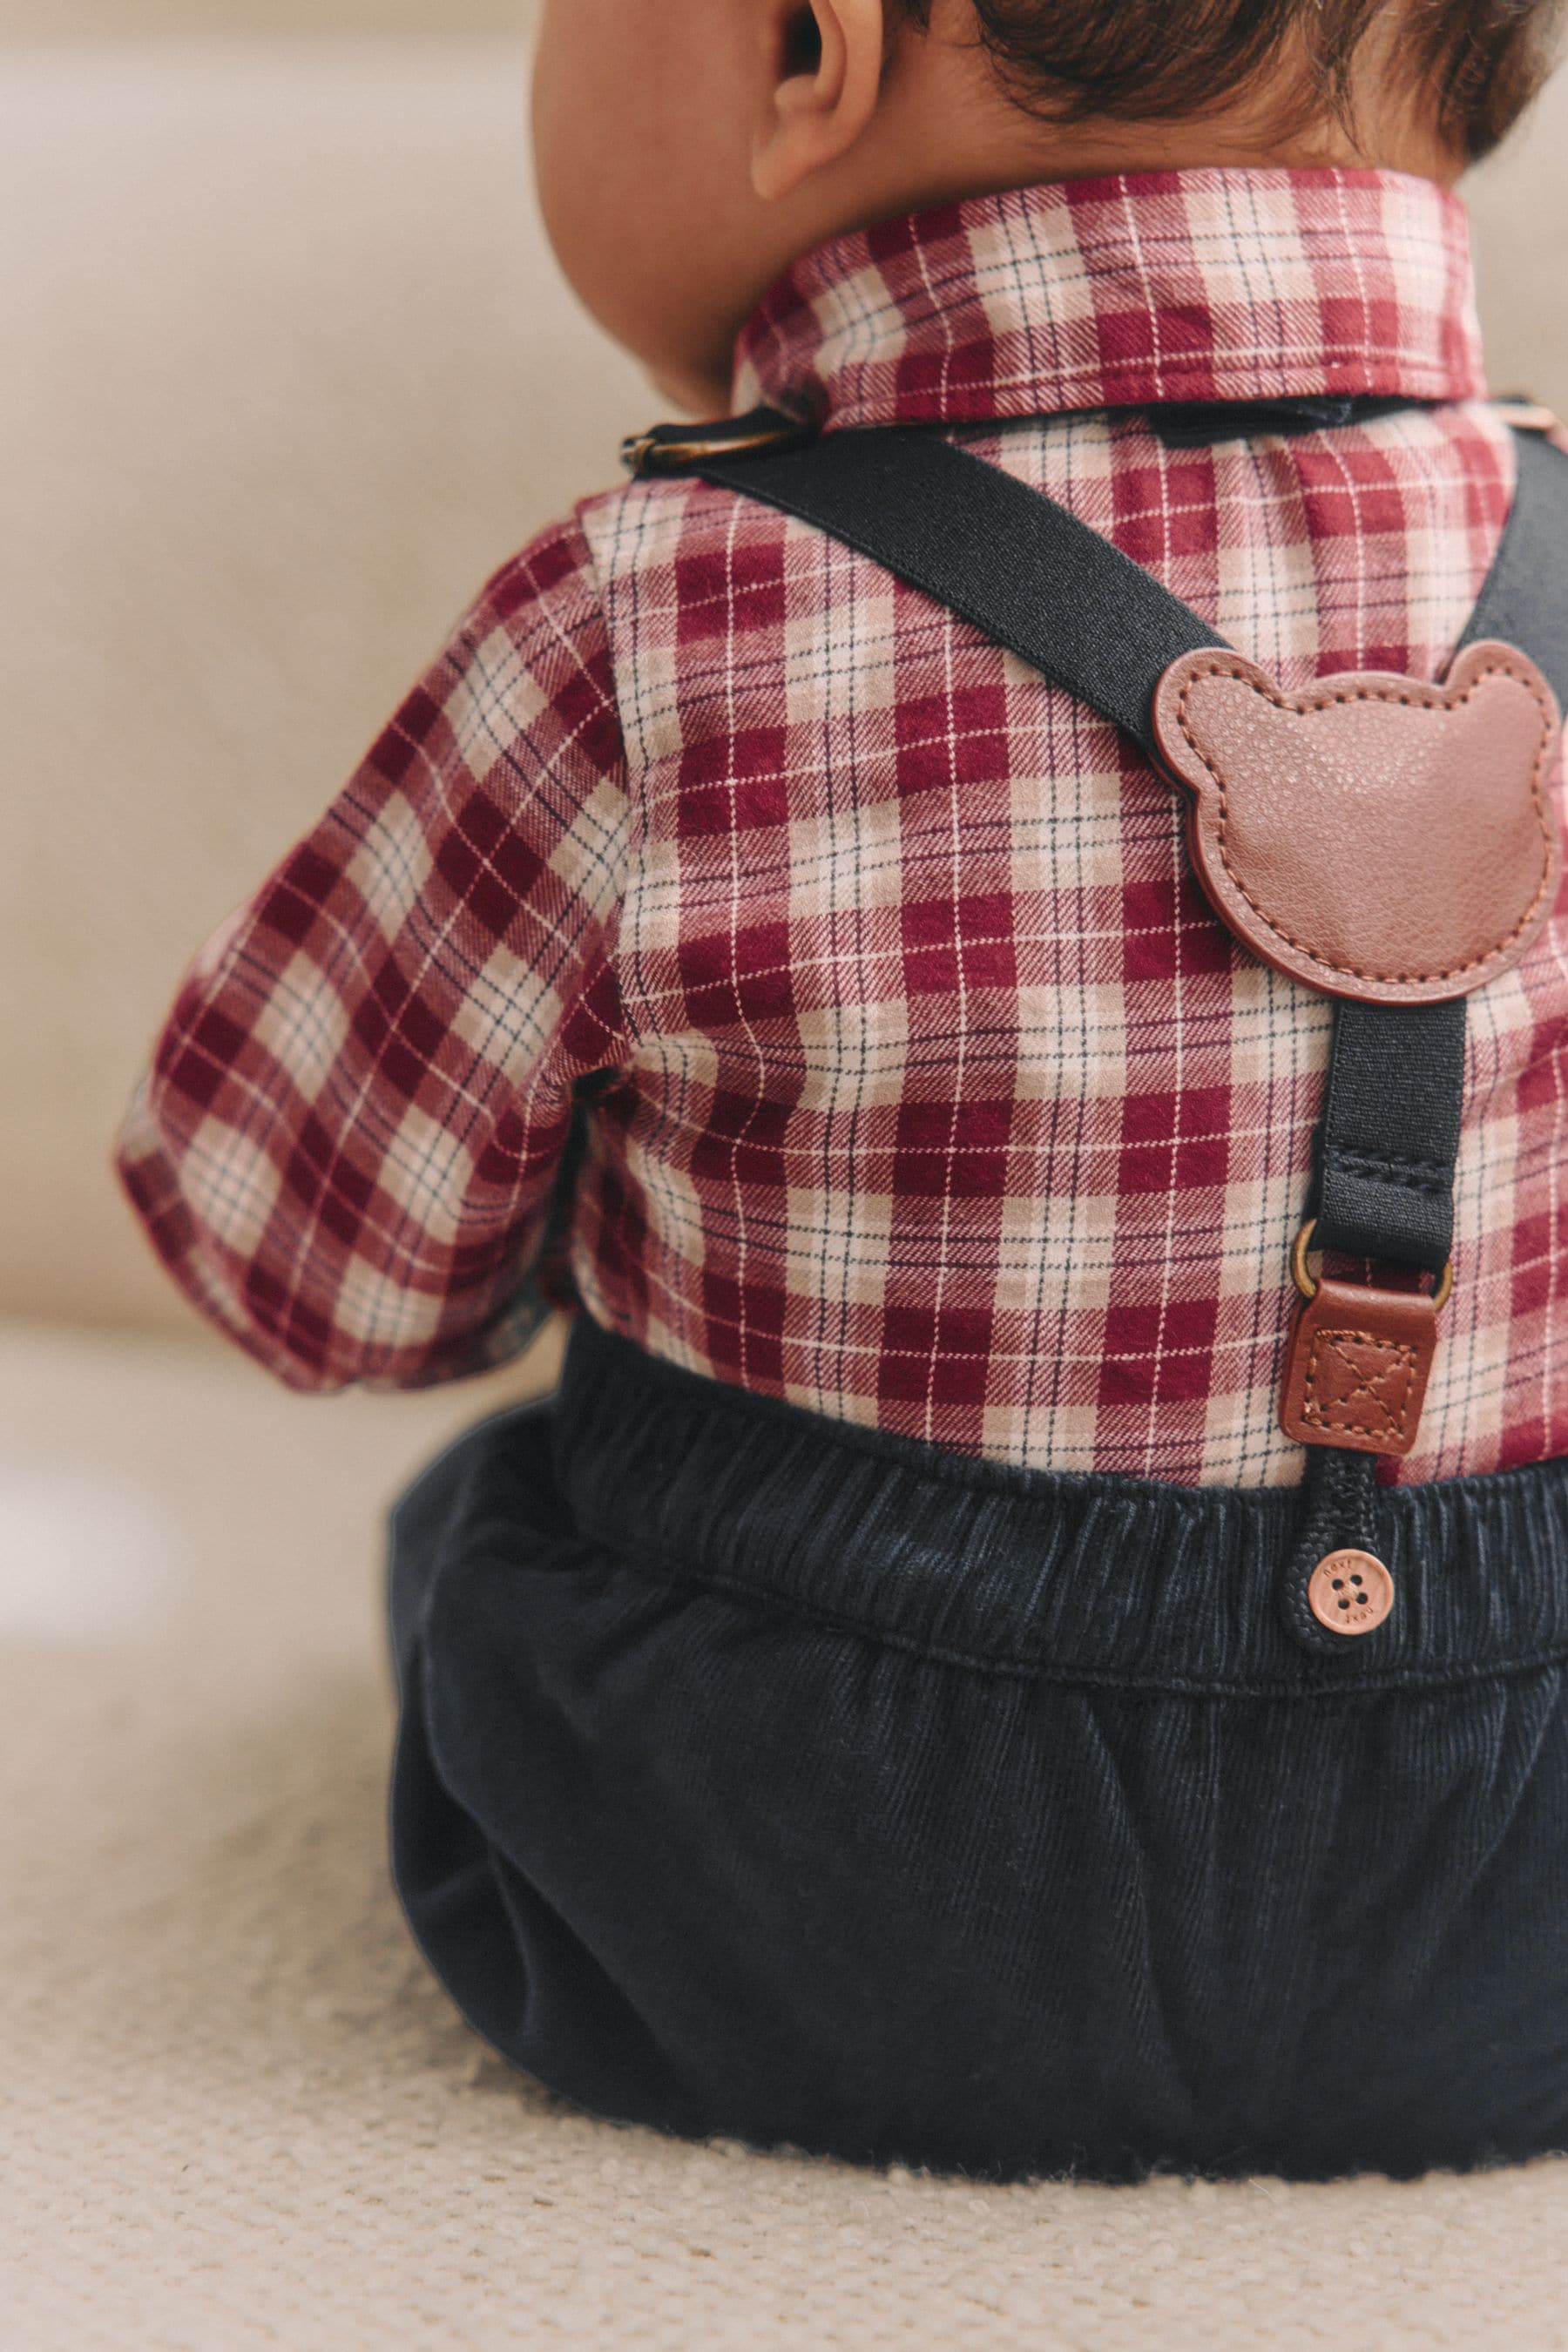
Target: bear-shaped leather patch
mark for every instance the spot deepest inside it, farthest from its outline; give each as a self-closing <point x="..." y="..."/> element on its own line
<point x="1374" y="837"/>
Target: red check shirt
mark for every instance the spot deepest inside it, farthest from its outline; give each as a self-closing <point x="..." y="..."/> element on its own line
<point x="938" y="1100"/>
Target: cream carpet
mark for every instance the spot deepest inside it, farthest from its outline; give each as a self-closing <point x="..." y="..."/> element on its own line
<point x="237" y="2112"/>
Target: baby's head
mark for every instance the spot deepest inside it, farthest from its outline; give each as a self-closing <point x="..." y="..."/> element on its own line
<point x="690" y="150"/>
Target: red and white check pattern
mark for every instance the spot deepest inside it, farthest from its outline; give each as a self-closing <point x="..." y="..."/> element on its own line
<point x="941" y="1101"/>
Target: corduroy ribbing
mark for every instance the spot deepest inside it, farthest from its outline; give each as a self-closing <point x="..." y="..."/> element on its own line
<point x="1119" y="1581"/>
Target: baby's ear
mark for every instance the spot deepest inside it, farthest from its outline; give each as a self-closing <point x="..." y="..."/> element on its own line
<point x="825" y="59"/>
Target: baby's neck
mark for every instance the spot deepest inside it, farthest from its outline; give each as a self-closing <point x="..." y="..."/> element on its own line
<point x="948" y="130"/>
<point x="994" y="149"/>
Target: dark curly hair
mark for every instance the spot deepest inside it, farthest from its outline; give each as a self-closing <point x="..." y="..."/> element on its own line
<point x="1482" y="60"/>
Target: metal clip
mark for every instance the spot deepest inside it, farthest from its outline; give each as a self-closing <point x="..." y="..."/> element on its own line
<point x="1527" y="416"/>
<point x="676" y="449"/>
<point x="1307" y="1286"/>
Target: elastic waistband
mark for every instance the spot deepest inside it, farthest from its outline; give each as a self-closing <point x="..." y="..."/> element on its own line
<point x="1123" y="1581"/>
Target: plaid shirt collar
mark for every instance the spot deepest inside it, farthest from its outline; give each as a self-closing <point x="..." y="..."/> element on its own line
<point x="1160" y="286"/>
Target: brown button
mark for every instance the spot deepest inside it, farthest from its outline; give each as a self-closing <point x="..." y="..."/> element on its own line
<point x="1350" y="1592"/>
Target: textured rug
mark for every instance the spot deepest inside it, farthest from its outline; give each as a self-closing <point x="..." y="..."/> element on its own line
<point x="236" y="2111"/>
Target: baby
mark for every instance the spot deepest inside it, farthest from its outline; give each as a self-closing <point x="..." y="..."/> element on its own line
<point x="895" y="918"/>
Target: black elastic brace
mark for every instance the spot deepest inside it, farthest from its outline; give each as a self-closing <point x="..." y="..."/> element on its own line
<point x="1034" y="578"/>
<point x="1337" y="1512"/>
<point x="1524" y="602"/>
<point x="1031" y="576"/>
<point x="1389" y="1134"/>
<point x="1201" y="424"/>
<point x="1026" y="572"/>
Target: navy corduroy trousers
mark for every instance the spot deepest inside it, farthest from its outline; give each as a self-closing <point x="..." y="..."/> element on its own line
<point x="764" y="1776"/>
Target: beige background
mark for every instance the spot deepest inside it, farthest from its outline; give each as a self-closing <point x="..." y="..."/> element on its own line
<point x="120" y="19"/>
<point x="288" y="370"/>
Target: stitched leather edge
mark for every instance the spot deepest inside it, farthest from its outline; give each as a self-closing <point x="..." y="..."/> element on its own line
<point x="1433" y="700"/>
<point x="1312" y="1412"/>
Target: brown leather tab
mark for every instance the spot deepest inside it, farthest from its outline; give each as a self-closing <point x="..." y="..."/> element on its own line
<point x="1357" y="1367"/>
<point x="1376" y="837"/>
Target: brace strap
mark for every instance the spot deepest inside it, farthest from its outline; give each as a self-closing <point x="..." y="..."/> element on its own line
<point x="1034" y="578"/>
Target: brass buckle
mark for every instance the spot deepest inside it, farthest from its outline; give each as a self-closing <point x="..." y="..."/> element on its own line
<point x="1527" y="416"/>
<point x="1308" y="1288"/>
<point x="670" y="448"/>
